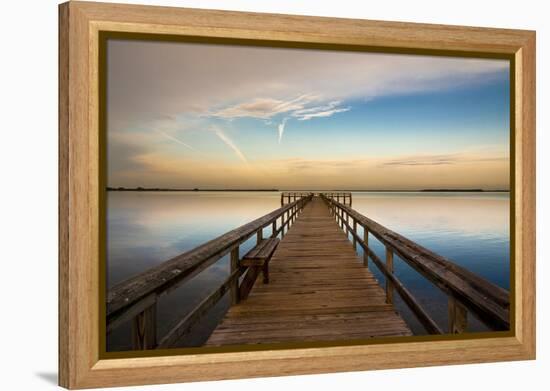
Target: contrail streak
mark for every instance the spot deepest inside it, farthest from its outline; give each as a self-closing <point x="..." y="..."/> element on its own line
<point x="175" y="139"/>
<point x="230" y="144"/>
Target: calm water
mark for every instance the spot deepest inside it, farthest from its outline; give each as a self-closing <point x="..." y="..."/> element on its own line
<point x="147" y="228"/>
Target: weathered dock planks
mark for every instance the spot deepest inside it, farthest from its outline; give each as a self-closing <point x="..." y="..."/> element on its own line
<point x="319" y="290"/>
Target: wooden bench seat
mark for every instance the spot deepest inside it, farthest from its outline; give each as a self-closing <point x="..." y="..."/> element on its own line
<point x="257" y="259"/>
<point x="261" y="253"/>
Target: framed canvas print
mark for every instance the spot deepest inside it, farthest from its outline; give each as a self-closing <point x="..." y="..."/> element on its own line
<point x="247" y="195"/>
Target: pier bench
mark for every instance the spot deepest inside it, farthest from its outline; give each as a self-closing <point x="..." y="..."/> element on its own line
<point x="257" y="259"/>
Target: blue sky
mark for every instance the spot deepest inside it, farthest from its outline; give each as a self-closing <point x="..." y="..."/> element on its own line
<point x="210" y="116"/>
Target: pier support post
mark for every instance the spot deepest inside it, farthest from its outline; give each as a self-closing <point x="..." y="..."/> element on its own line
<point x="144" y="329"/>
<point x="389" y="284"/>
<point x="458" y="317"/>
<point x="234" y="287"/>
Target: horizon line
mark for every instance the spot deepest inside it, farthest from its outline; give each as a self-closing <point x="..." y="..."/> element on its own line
<point x="141" y="188"/>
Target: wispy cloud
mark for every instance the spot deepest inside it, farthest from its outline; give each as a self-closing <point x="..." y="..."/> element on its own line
<point x="264" y="108"/>
<point x="300" y="107"/>
<point x="434" y="160"/>
<point x="440" y="160"/>
<point x="222" y="136"/>
<point x="320" y="111"/>
<point x="320" y="114"/>
<point x="281" y="128"/>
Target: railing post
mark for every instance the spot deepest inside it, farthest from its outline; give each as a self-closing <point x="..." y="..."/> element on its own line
<point x="286" y="215"/>
<point x="366" y="249"/>
<point x="274" y="229"/>
<point x="259" y="235"/>
<point x="355" y="233"/>
<point x="289" y="218"/>
<point x="234" y="287"/>
<point x="282" y="202"/>
<point x="144" y="329"/>
<point x="389" y="284"/>
<point x="458" y="317"/>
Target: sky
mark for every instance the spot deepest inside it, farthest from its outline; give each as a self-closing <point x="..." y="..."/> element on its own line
<point x="190" y="115"/>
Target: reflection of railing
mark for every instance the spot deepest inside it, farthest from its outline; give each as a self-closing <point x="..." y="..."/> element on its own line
<point x="464" y="289"/>
<point x="135" y="299"/>
<point x="290" y="196"/>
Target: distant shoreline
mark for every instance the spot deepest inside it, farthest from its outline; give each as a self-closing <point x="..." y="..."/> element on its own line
<point x="279" y="190"/>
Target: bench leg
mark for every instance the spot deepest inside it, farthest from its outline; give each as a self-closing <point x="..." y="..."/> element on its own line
<point x="265" y="271"/>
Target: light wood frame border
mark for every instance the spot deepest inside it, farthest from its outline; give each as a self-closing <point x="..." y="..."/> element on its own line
<point x="80" y="365"/>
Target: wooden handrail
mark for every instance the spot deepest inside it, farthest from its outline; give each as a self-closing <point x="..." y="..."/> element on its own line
<point x="134" y="297"/>
<point x="291" y="196"/>
<point x="488" y="302"/>
<point x="429" y="324"/>
<point x="184" y="325"/>
<point x="346" y="198"/>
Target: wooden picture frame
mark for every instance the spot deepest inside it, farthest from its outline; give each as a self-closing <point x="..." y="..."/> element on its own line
<point x="80" y="312"/>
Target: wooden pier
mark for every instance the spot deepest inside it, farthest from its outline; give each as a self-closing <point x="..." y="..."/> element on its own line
<point x="318" y="290"/>
<point x="315" y="287"/>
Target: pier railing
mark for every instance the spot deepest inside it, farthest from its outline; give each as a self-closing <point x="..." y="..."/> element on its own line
<point x="290" y="196"/>
<point x="341" y="197"/>
<point x="135" y="299"/>
<point x="465" y="290"/>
